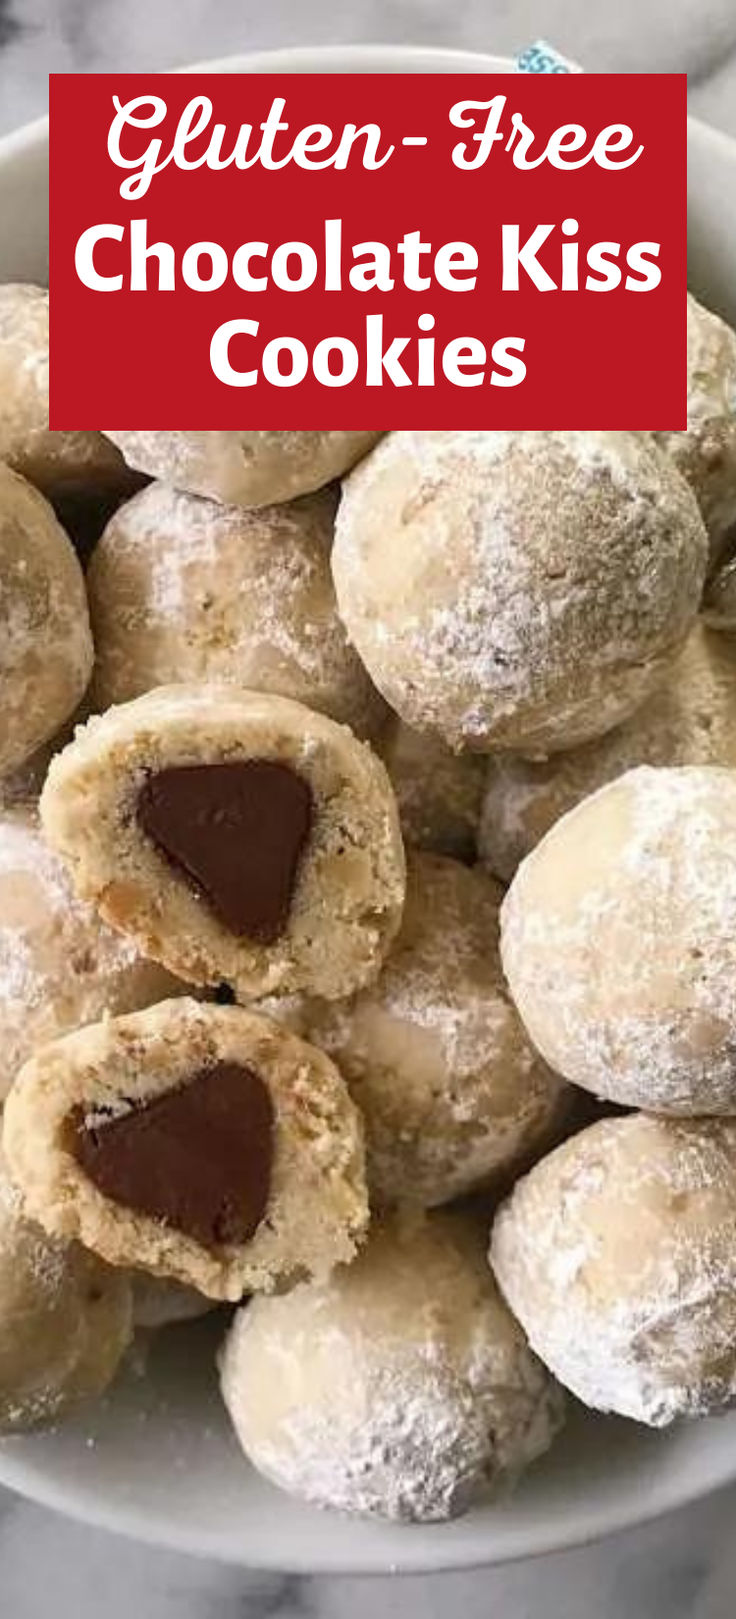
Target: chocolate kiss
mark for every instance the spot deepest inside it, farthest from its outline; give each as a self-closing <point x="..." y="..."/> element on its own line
<point x="237" y="831"/>
<point x="197" y="1158"/>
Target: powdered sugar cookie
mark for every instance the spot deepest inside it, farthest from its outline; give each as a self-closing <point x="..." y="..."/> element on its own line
<point x="60" y="966"/>
<point x="182" y="588"/>
<point x="401" y="1388"/>
<point x="452" y="1093"/>
<point x="201" y="1143"/>
<point x="691" y="720"/>
<point x="706" y="452"/>
<point x="617" y="1254"/>
<point x="60" y="464"/>
<point x="45" y="640"/>
<point x="244" y="469"/>
<point x="518" y="590"/>
<point x="618" y="940"/>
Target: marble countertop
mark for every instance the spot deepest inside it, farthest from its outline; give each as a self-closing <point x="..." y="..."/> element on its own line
<point x="685" y="1566"/>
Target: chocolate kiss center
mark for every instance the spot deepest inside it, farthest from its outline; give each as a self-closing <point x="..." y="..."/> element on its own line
<point x="237" y="831"/>
<point x="197" y="1158"/>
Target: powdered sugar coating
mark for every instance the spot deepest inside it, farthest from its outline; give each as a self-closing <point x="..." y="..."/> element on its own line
<point x="400" y="1388"/>
<point x="618" y="939"/>
<point x="689" y="721"/>
<point x="706" y="452"/>
<point x="45" y="640"/>
<point x="451" y="1091"/>
<point x="56" y="462"/>
<point x="512" y="589"/>
<point x="617" y="1253"/>
<point x="60" y="965"/>
<point x="65" y="1320"/>
<point x="245" y="469"/>
<point x="183" y="588"/>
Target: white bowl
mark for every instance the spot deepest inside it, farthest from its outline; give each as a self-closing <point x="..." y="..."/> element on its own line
<point x="156" y="1459"/>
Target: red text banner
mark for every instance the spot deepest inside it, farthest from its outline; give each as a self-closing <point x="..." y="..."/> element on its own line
<point x="425" y="251"/>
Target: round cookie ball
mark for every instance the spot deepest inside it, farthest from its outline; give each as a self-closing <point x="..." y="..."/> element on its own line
<point x="706" y="452"/>
<point x="452" y="1094"/>
<point x="400" y="1388"/>
<point x="689" y="721"/>
<point x="182" y="588"/>
<point x="45" y="640"/>
<point x="65" y="1320"/>
<point x="60" y="965"/>
<point x="439" y="793"/>
<point x="618" y="940"/>
<point x="617" y="1254"/>
<point x="519" y="590"/>
<point x="61" y="464"/>
<point x="244" y="469"/>
<point x="238" y="837"/>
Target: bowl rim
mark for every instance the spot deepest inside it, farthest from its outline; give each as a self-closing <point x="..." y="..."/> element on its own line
<point x="598" y="1524"/>
<point x="298" y="59"/>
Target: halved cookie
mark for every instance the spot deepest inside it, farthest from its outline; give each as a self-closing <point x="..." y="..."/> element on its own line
<point x="236" y="836"/>
<point x="199" y="1142"/>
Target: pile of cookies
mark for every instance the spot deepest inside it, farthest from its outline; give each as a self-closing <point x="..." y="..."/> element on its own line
<point x="367" y="881"/>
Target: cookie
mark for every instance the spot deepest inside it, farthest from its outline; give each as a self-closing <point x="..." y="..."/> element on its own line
<point x="517" y="590"/>
<point x="617" y="1254"/>
<point x="45" y="639"/>
<point x="182" y="588"/>
<point x="236" y="836"/>
<point x="65" y="1320"/>
<point x="61" y="464"/>
<point x="400" y="1388"/>
<point x="244" y="469"/>
<point x="452" y="1093"/>
<point x="690" y="721"/>
<point x="201" y="1143"/>
<point x="60" y="965"/>
<point x="706" y="452"/>
<point x="618" y="940"/>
